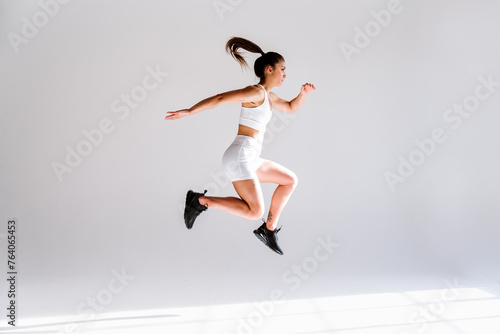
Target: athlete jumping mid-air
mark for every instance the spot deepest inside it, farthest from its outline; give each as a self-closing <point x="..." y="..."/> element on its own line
<point x="241" y="161"/>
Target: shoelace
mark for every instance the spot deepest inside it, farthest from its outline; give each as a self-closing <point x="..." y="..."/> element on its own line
<point x="275" y="230"/>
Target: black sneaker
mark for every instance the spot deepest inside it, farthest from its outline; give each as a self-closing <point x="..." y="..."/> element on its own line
<point x="269" y="238"/>
<point x="193" y="207"/>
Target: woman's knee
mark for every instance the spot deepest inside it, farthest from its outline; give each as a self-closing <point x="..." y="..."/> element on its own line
<point x="256" y="212"/>
<point x="250" y="192"/>
<point x="293" y="179"/>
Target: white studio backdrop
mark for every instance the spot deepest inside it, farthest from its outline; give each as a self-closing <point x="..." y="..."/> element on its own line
<point x="396" y="151"/>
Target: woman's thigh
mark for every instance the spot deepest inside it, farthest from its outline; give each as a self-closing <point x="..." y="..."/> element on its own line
<point x="272" y="172"/>
<point x="250" y="191"/>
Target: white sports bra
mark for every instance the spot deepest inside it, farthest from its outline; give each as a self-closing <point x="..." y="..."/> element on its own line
<point x="257" y="117"/>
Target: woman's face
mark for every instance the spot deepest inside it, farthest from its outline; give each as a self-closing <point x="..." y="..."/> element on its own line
<point x="279" y="73"/>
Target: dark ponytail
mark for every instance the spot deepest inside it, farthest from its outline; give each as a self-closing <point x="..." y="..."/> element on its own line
<point x="266" y="59"/>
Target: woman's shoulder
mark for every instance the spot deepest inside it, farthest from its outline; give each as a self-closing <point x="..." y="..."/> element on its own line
<point x="255" y="89"/>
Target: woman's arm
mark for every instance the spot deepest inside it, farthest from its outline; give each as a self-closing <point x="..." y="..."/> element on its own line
<point x="295" y="104"/>
<point x="247" y="94"/>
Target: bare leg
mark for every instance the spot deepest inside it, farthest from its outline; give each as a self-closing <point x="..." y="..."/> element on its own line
<point x="251" y="204"/>
<point x="272" y="172"/>
<point x="278" y="202"/>
<point x="233" y="205"/>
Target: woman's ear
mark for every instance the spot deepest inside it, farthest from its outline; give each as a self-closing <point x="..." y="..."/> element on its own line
<point x="269" y="68"/>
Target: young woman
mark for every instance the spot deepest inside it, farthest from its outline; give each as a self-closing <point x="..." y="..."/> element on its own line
<point x="241" y="161"/>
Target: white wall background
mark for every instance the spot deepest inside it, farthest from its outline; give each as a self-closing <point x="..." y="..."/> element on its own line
<point x="121" y="207"/>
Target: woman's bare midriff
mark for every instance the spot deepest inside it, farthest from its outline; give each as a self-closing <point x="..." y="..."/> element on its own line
<point x="247" y="131"/>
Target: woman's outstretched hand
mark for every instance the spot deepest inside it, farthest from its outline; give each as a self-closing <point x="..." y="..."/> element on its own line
<point x="307" y="88"/>
<point x="177" y="114"/>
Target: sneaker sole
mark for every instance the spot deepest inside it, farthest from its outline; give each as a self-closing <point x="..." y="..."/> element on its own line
<point x="261" y="238"/>
<point x="189" y="201"/>
<point x="264" y="241"/>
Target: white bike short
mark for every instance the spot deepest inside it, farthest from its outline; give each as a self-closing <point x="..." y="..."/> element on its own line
<point x="242" y="158"/>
